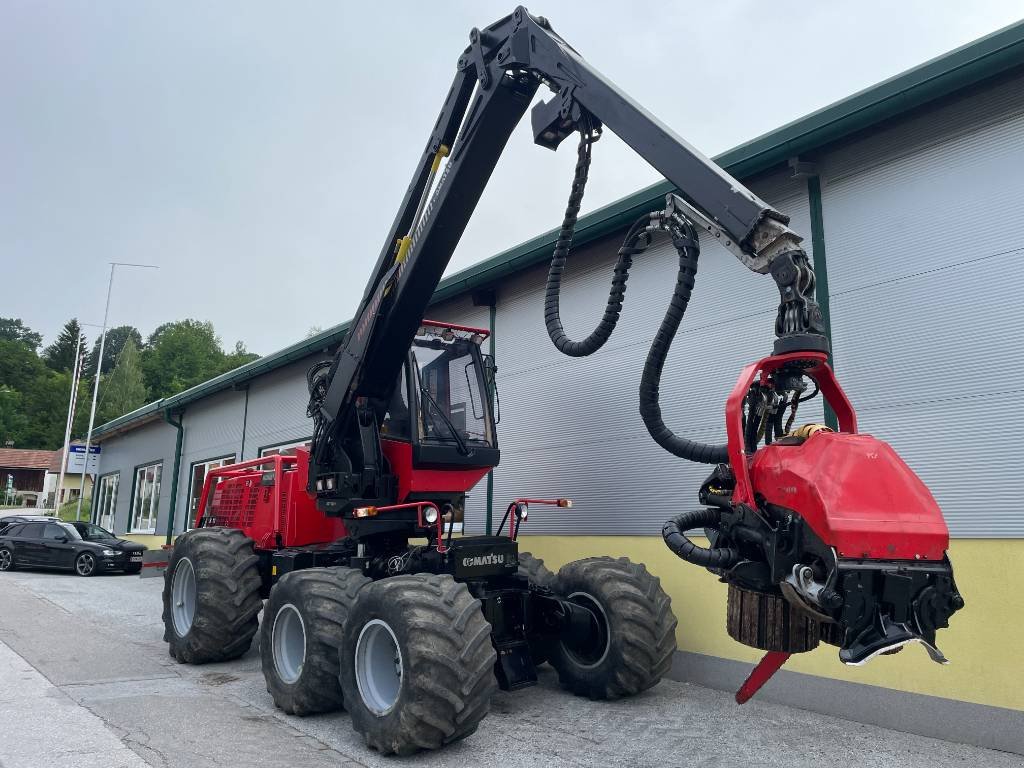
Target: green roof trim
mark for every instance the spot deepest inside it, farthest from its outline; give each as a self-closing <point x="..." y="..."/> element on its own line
<point x="961" y="68"/>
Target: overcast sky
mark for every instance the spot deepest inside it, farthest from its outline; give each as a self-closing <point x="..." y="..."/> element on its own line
<point x="257" y="151"/>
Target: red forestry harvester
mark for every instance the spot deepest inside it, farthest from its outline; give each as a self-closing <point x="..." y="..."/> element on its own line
<point x="381" y="608"/>
<point x="821" y="535"/>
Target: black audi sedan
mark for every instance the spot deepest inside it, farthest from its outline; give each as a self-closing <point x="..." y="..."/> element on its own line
<point x="84" y="548"/>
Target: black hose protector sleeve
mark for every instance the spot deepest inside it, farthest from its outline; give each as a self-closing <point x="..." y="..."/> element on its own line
<point x="650" y="383"/>
<point x="552" y="312"/>
<point x="674" y="534"/>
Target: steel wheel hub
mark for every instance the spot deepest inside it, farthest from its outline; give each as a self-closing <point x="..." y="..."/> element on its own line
<point x="378" y="662"/>
<point x="183" y="597"/>
<point x="289" y="643"/>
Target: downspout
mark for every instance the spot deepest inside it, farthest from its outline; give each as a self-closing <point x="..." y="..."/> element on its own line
<point x="489" y="520"/>
<point x="245" y="423"/>
<point x="175" y="472"/>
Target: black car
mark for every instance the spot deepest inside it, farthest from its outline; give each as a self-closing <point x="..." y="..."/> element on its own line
<point x="83" y="548"/>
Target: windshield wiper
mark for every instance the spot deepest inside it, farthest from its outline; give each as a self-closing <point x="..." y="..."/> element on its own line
<point x="463" y="448"/>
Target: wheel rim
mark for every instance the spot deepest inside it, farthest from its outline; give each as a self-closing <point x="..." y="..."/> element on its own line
<point x="183" y="597"/>
<point x="84" y="564"/>
<point x="5" y="559"/>
<point x="378" y="665"/>
<point x="289" y="643"/>
<point x="592" y="650"/>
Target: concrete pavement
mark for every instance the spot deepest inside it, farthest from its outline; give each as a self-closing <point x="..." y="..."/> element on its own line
<point x="85" y="680"/>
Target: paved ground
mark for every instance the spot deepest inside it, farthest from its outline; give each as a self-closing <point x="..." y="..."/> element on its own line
<point x="85" y="680"/>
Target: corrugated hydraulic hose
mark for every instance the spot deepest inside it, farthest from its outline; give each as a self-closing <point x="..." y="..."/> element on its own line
<point x="684" y="238"/>
<point x="674" y="534"/>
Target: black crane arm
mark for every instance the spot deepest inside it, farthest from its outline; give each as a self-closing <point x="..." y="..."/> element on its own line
<point x="496" y="79"/>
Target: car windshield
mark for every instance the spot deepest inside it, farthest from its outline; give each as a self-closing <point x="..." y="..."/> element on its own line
<point x="92" y="532"/>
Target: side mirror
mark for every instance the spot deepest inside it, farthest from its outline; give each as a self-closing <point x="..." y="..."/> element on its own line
<point x="62" y="539"/>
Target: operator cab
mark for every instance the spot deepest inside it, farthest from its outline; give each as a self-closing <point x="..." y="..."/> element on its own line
<point x="440" y="416"/>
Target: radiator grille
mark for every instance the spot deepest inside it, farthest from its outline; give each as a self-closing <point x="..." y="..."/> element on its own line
<point x="234" y="506"/>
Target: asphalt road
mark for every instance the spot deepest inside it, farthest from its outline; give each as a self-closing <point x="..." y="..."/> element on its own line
<point x="85" y="680"/>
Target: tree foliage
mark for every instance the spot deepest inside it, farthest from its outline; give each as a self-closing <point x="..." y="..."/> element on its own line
<point x="125" y="389"/>
<point x="34" y="388"/>
<point x="60" y="355"/>
<point x="116" y="338"/>
<point x="12" y="329"/>
<point x="185" y="353"/>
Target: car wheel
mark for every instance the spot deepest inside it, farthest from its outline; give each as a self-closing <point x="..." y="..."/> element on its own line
<point x="6" y="560"/>
<point x="85" y="564"/>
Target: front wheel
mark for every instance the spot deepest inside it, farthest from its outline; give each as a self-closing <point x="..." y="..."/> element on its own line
<point x="417" y="664"/>
<point x="211" y="596"/>
<point x="85" y="564"/>
<point x="6" y="559"/>
<point x="301" y="637"/>
<point x="633" y="637"/>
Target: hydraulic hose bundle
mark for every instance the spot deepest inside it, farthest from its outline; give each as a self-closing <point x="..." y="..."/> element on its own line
<point x="638" y="239"/>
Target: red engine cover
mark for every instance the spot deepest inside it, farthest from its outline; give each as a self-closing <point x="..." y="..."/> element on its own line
<point x="283" y="511"/>
<point x="857" y="495"/>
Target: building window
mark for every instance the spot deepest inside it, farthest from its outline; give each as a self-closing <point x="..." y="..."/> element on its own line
<point x="106" y="501"/>
<point x="196" y="481"/>
<point x="147" y="498"/>
<point x="285" y="449"/>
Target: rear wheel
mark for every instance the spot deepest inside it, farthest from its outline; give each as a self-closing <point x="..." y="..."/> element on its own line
<point x="417" y="664"/>
<point x="533" y="568"/>
<point x="537" y="574"/>
<point x="633" y="638"/>
<point x="211" y="596"/>
<point x="85" y="564"/>
<point x="301" y="637"/>
<point x="6" y="559"/>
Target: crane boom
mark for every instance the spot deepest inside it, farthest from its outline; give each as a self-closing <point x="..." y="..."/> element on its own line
<point x="496" y="79"/>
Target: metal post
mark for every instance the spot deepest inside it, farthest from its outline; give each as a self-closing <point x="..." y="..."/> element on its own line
<point x="96" y="387"/>
<point x="75" y="373"/>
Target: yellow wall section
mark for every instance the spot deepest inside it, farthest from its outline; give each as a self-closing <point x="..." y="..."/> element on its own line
<point x="153" y="542"/>
<point x="983" y="642"/>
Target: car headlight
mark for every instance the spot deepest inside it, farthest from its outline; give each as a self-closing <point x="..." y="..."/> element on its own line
<point x="110" y="553"/>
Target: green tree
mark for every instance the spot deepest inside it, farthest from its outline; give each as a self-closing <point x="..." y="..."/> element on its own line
<point x="116" y="338"/>
<point x="239" y="357"/>
<point x="124" y="389"/>
<point x="12" y="417"/>
<point x="34" y="404"/>
<point x="182" y="354"/>
<point x="12" y="329"/>
<point x="60" y="355"/>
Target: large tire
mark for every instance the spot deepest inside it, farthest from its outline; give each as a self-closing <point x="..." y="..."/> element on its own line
<point x="225" y="596"/>
<point x="434" y="676"/>
<point x="632" y="649"/>
<point x="301" y="637"/>
<point x="535" y="571"/>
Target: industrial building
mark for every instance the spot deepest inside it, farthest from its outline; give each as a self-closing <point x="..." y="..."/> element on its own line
<point x="910" y="196"/>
